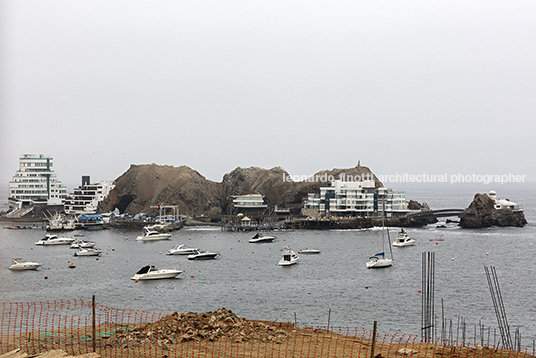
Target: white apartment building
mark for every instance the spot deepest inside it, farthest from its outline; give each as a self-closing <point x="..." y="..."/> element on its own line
<point x="249" y="201"/>
<point x="87" y="197"/>
<point x="36" y="182"/>
<point x="357" y="198"/>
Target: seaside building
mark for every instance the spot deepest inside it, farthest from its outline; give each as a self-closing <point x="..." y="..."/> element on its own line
<point x="249" y="203"/>
<point x="36" y="182"/>
<point x="357" y="198"/>
<point x="87" y="197"/>
<point x="503" y="203"/>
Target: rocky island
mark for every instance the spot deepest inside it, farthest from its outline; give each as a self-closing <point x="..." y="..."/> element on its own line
<point x="485" y="211"/>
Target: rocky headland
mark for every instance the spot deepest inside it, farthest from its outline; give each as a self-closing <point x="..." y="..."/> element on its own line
<point x="482" y="213"/>
<point x="143" y="187"/>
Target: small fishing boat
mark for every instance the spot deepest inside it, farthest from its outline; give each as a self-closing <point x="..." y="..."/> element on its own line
<point x="259" y="238"/>
<point x="18" y="264"/>
<point x="202" y="255"/>
<point x="182" y="250"/>
<point x="150" y="272"/>
<point x="288" y="257"/>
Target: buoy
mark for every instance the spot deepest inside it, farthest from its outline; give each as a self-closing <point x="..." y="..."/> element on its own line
<point x="72" y="266"/>
<point x="97" y="259"/>
<point x="419" y="290"/>
<point x="192" y="276"/>
<point x="46" y="277"/>
<point x="135" y="280"/>
<point x="452" y="259"/>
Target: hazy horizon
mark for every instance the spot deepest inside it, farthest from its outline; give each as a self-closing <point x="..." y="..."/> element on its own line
<point x="404" y="87"/>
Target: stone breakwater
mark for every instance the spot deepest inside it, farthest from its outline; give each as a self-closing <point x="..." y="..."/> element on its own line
<point x="210" y="326"/>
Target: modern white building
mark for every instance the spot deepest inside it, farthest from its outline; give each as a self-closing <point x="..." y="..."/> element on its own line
<point x="249" y="202"/>
<point x="357" y="198"/>
<point x="503" y="203"/>
<point x="36" y="182"/>
<point x="87" y="197"/>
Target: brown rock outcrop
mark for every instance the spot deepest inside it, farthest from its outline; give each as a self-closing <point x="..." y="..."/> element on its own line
<point x="482" y="213"/>
<point x="142" y="187"/>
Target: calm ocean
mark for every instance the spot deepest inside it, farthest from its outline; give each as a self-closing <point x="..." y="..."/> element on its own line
<point x="247" y="280"/>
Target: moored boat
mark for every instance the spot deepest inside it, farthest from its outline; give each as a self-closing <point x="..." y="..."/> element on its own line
<point x="309" y="251"/>
<point x="90" y="251"/>
<point x="202" y="255"/>
<point x="259" y="237"/>
<point x="403" y="239"/>
<point x="51" y="239"/>
<point x="182" y="250"/>
<point x="150" y="234"/>
<point x="17" y="264"/>
<point x="82" y="244"/>
<point x="151" y="272"/>
<point x="288" y="257"/>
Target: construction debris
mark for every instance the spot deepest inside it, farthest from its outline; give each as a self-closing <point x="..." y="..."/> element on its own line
<point x="212" y="326"/>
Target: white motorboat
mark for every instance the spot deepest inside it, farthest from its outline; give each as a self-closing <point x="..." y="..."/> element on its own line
<point x="90" y="251"/>
<point x="51" y="239"/>
<point x="288" y="257"/>
<point x="18" y="264"/>
<point x="402" y="239"/>
<point x="82" y="244"/>
<point x="309" y="251"/>
<point x="182" y="250"/>
<point x="202" y="255"/>
<point x="151" y="272"/>
<point x="259" y="237"/>
<point x="150" y="234"/>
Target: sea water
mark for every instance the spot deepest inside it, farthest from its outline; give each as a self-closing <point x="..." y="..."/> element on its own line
<point x="334" y="284"/>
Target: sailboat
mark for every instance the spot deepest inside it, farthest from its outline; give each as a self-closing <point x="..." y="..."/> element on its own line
<point x="380" y="260"/>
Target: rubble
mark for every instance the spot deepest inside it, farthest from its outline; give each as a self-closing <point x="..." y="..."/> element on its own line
<point x="211" y="326"/>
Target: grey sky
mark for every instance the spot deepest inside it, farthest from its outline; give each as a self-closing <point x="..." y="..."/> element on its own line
<point x="404" y="86"/>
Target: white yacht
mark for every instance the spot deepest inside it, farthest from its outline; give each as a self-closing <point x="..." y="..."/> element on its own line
<point x="151" y="272"/>
<point x="202" y="255"/>
<point x="51" y="239"/>
<point x="150" y="234"/>
<point x="403" y="239"/>
<point x="18" y="264"/>
<point x="288" y="257"/>
<point x="259" y="237"/>
<point x="379" y="260"/>
<point x="182" y="250"/>
<point x="90" y="251"/>
<point x="82" y="244"/>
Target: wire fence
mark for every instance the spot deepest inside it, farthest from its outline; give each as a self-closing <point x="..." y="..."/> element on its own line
<point x="82" y="326"/>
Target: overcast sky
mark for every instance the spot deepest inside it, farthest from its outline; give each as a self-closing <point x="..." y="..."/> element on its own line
<point x="412" y="87"/>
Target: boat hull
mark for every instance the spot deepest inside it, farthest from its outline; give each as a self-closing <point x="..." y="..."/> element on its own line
<point x="25" y="266"/>
<point x="157" y="275"/>
<point x="154" y="237"/>
<point x="379" y="263"/>
<point x="262" y="239"/>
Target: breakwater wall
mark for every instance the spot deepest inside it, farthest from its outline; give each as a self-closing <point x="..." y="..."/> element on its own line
<point x="355" y="223"/>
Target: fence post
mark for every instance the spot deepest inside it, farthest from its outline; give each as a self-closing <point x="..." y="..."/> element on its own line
<point x="373" y="340"/>
<point x="93" y="321"/>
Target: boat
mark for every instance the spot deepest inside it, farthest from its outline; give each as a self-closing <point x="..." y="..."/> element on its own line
<point x="82" y="244"/>
<point x="150" y="272"/>
<point x="259" y="237"/>
<point x="309" y="251"/>
<point x="379" y="260"/>
<point x="202" y="255"/>
<point x="288" y="257"/>
<point x="150" y="234"/>
<point x="402" y="239"/>
<point x="18" y="264"/>
<point x="90" y="251"/>
<point x="51" y="239"/>
<point x="182" y="250"/>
